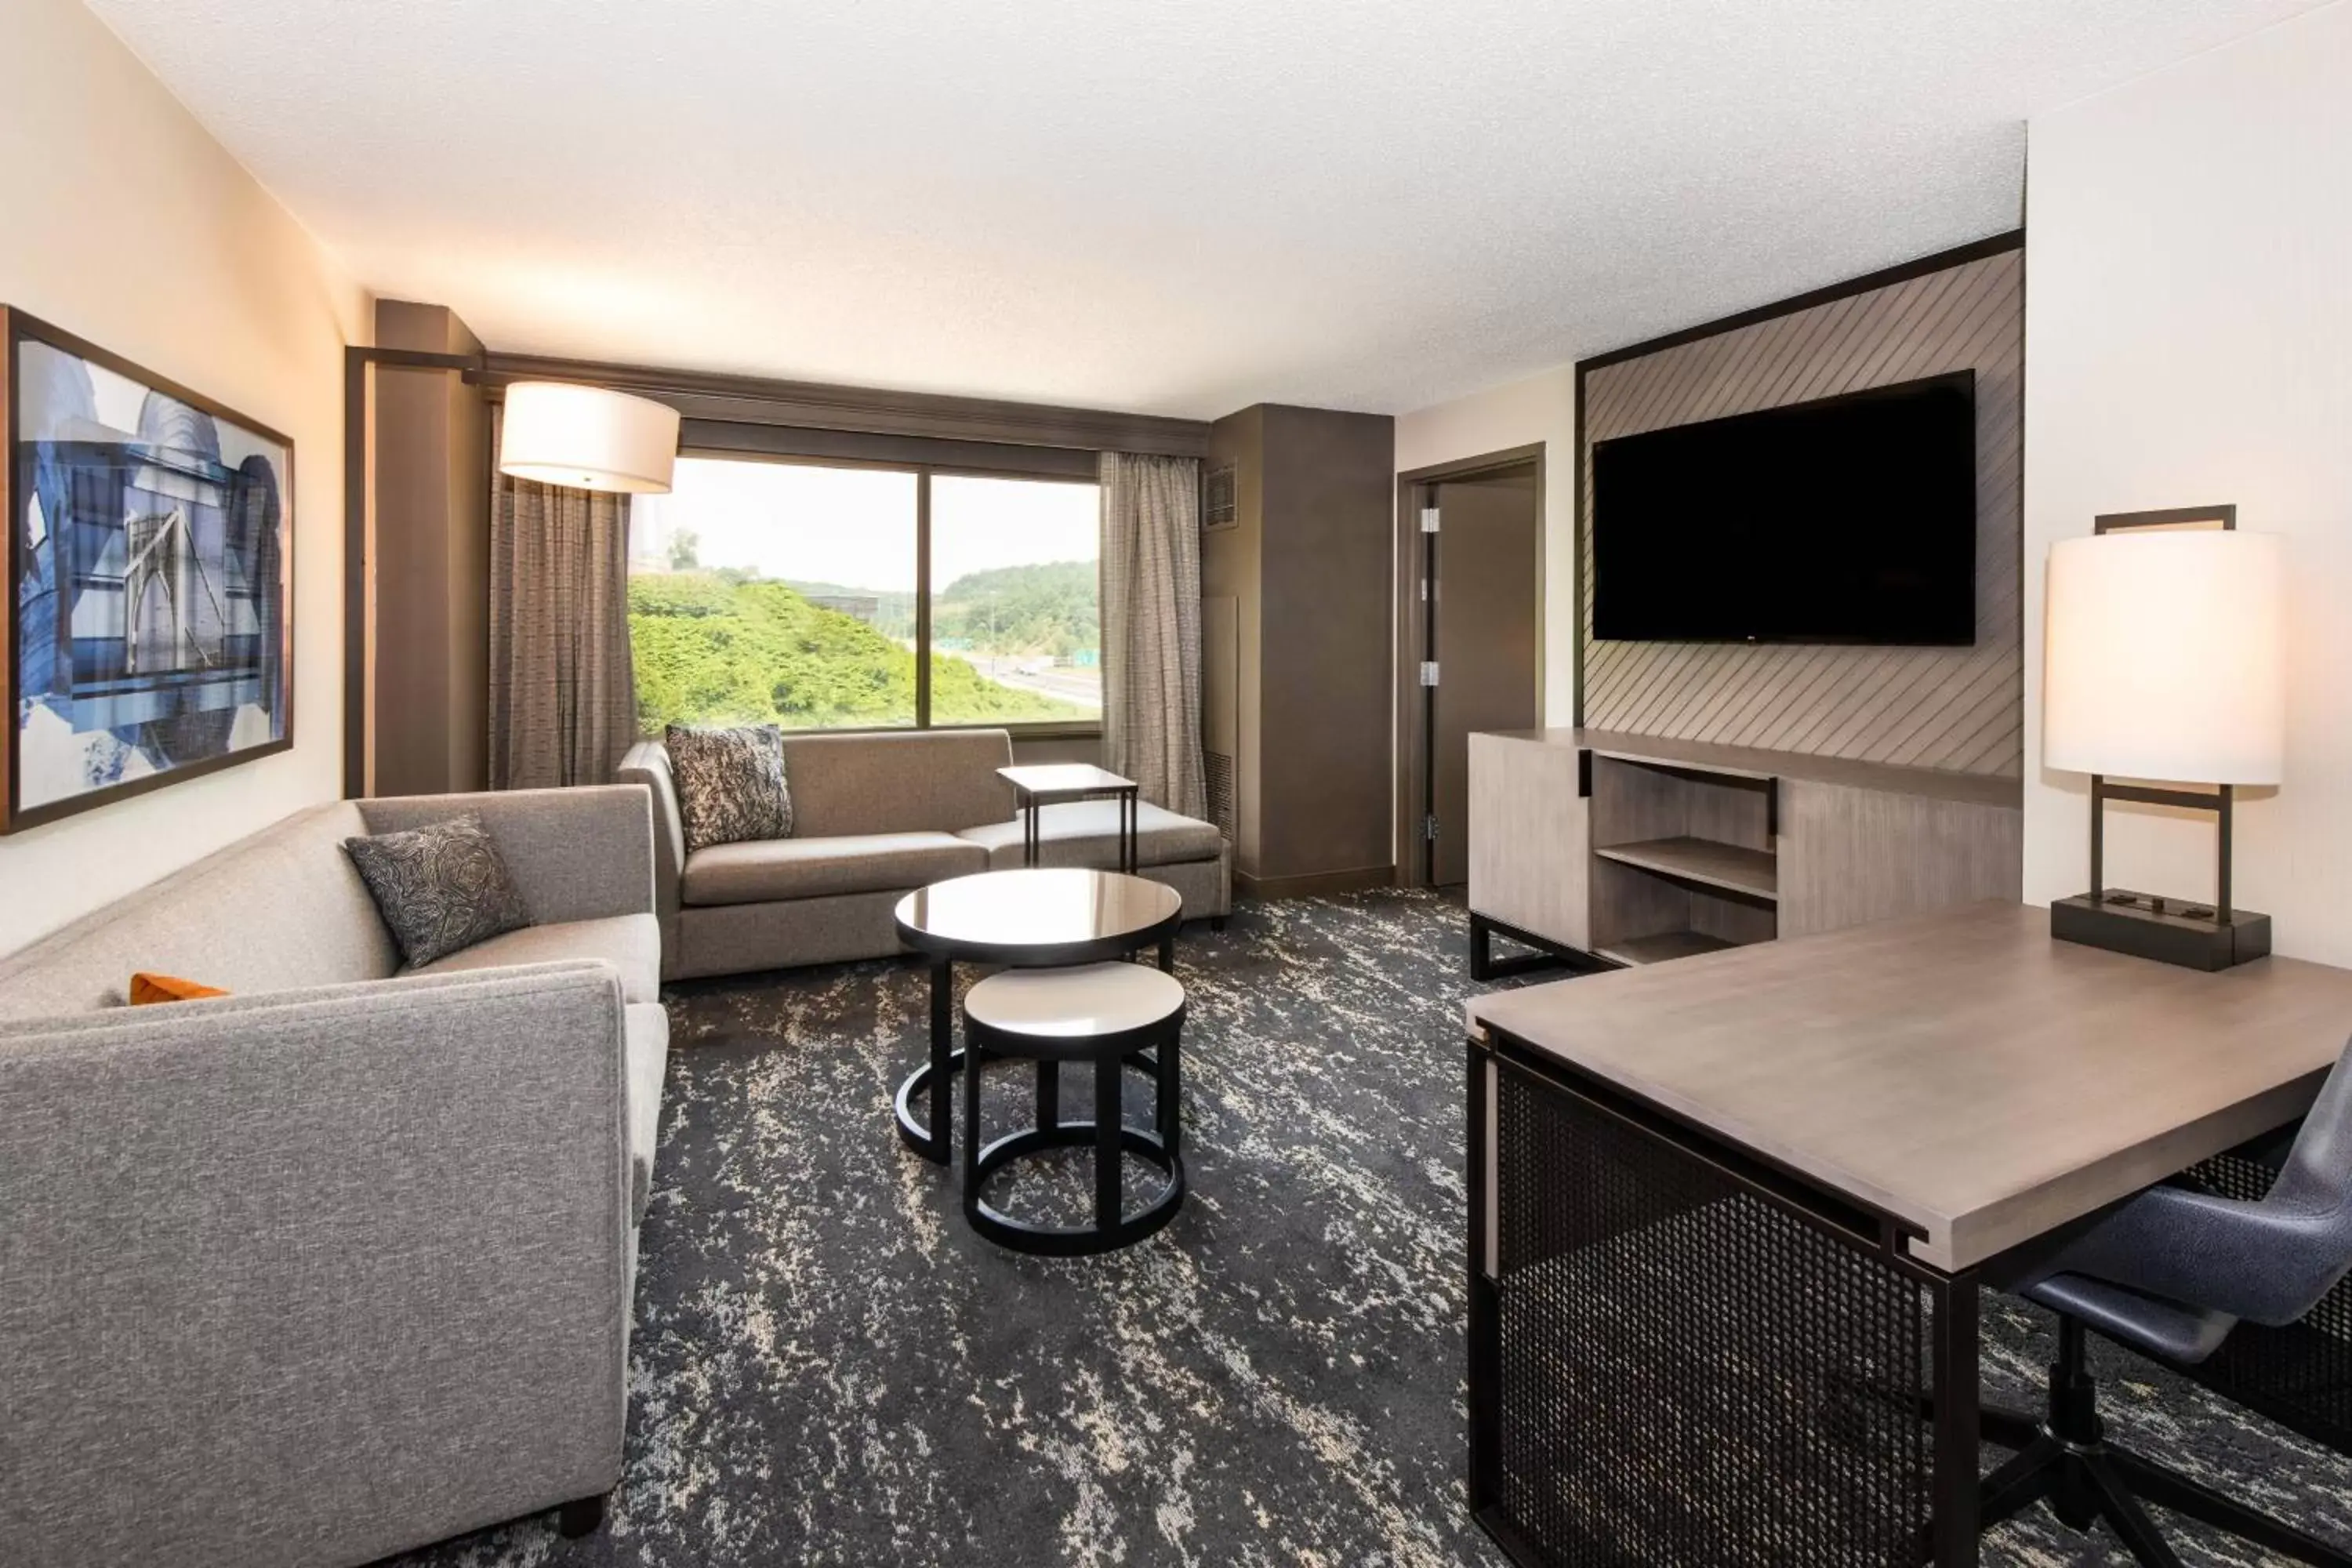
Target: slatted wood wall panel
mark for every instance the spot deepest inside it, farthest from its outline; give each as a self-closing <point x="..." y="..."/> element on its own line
<point x="1944" y="708"/>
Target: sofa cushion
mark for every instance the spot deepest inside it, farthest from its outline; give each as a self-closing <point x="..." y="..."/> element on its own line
<point x="631" y="943"/>
<point x="813" y="868"/>
<point x="1086" y="833"/>
<point x="278" y="910"/>
<point x="646" y="1033"/>
<point x="934" y="780"/>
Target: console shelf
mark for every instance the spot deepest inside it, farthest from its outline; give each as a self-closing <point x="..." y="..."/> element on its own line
<point x="1754" y="872"/>
<point x="1635" y="951"/>
<point x="1637" y="850"/>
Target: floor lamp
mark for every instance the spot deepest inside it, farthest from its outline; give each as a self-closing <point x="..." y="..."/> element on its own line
<point x="556" y="433"/>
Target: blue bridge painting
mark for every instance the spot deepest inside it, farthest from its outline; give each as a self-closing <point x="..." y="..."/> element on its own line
<point x="151" y="582"/>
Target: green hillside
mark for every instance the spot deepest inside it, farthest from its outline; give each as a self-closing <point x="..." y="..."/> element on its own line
<point x="1048" y="608"/>
<point x="894" y="611"/>
<point x="711" y="650"/>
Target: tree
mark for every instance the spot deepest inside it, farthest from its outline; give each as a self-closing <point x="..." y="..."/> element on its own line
<point x="713" y="650"/>
<point x="685" y="550"/>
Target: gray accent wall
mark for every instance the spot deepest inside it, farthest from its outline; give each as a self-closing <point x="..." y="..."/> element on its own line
<point x="428" y="706"/>
<point x="1305" y="577"/>
<point x="1942" y="707"/>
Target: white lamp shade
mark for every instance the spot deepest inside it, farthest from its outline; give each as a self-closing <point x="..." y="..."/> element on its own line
<point x="587" y="438"/>
<point x="2164" y="656"/>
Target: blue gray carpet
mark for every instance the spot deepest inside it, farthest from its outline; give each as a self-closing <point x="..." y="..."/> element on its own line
<point x="829" y="1368"/>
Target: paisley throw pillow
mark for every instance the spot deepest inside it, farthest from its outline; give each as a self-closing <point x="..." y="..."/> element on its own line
<point x="730" y="783"/>
<point x="440" y="888"/>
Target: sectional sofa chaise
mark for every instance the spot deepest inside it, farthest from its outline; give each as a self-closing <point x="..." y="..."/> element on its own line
<point x="876" y="816"/>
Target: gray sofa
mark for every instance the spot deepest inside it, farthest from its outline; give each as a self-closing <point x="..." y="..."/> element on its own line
<point x="876" y="816"/>
<point x="342" y="1263"/>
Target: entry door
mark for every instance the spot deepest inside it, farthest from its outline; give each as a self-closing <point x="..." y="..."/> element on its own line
<point x="1484" y="637"/>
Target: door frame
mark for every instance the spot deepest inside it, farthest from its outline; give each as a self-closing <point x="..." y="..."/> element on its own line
<point x="1410" y="725"/>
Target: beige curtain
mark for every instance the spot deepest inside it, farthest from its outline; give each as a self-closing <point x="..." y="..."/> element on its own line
<point x="564" y="702"/>
<point x="1151" y="627"/>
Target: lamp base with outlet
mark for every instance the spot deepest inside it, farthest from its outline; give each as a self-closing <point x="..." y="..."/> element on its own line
<point x="2169" y="931"/>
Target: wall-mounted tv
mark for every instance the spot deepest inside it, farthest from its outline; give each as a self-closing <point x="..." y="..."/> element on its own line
<point x="1848" y="520"/>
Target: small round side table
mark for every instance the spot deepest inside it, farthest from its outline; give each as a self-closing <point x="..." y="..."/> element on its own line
<point x="1103" y="1014"/>
<point x="1040" y="919"/>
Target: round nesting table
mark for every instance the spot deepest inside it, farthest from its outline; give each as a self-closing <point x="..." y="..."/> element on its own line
<point x="1103" y="1013"/>
<point x="1043" y="918"/>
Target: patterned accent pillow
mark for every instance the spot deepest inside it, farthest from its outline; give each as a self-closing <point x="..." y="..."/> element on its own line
<point x="440" y="888"/>
<point x="730" y="783"/>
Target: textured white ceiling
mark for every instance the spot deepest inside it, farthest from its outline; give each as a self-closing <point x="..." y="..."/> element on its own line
<point x="1176" y="207"/>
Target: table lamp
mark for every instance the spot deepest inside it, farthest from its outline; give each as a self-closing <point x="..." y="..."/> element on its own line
<point x="2164" y="661"/>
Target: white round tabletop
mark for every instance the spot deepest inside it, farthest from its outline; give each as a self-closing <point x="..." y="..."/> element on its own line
<point x="1002" y="912"/>
<point x="1074" y="1003"/>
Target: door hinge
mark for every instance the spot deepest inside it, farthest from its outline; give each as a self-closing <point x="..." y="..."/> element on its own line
<point x="1428" y="828"/>
<point x="1429" y="520"/>
<point x="1429" y="672"/>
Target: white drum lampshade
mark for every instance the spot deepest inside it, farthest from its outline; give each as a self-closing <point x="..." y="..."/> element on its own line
<point x="2164" y="656"/>
<point x="587" y="438"/>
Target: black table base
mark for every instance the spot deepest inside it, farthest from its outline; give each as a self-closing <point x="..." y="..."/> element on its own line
<point x="931" y="1087"/>
<point x="1107" y="1135"/>
<point x="1031" y="805"/>
<point x="1073" y="1241"/>
<point x="917" y="1087"/>
<point x="1678" y="1353"/>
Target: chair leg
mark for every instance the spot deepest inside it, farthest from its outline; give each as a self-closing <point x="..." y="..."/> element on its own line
<point x="2006" y="1428"/>
<point x="2023" y="1480"/>
<point x="580" y="1517"/>
<point x="2124" y="1514"/>
<point x="2068" y="1465"/>
<point x="2166" y="1488"/>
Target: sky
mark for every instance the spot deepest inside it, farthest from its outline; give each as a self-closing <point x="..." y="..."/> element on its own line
<point x="856" y="527"/>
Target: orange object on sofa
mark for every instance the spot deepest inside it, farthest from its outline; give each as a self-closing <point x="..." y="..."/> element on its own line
<point x="146" y="988"/>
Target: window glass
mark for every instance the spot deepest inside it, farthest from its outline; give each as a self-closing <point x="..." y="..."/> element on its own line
<point x="779" y="592"/>
<point x="785" y="593"/>
<point x="1015" y="623"/>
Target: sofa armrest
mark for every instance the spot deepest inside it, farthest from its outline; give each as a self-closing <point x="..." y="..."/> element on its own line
<point x="343" y="1268"/>
<point x="647" y="764"/>
<point x="577" y="854"/>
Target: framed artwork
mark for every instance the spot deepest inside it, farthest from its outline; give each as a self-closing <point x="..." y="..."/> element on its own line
<point x="149" y="618"/>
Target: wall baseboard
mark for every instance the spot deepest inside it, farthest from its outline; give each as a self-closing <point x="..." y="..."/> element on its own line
<point x="1315" y="884"/>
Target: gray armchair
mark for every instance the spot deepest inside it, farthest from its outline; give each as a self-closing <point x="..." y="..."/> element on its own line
<point x="2169" y="1273"/>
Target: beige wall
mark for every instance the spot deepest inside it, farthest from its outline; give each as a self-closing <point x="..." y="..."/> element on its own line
<point x="2188" y="340"/>
<point x="127" y="224"/>
<point x="1539" y="409"/>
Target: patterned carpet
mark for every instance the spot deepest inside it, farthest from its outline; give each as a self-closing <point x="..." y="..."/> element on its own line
<point x="830" y="1369"/>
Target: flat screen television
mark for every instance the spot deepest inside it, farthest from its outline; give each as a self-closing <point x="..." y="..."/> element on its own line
<point x="1848" y="520"/>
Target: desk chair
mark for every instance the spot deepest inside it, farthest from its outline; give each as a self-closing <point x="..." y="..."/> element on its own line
<point x="2169" y="1273"/>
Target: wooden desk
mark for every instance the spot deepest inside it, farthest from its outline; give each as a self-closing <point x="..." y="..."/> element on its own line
<point x="1801" y="1153"/>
